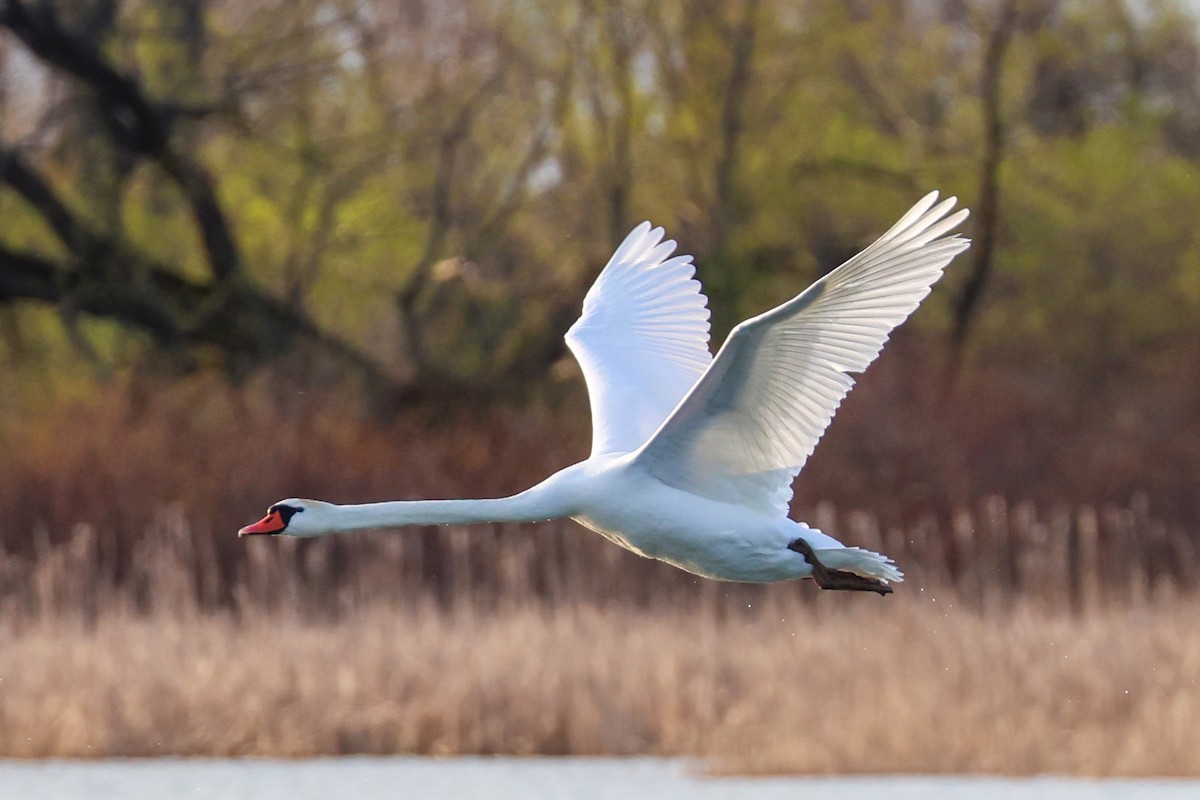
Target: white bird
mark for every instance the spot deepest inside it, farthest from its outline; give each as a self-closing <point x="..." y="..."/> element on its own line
<point x="693" y="457"/>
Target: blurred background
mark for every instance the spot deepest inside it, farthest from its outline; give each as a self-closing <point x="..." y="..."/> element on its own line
<point x="254" y="249"/>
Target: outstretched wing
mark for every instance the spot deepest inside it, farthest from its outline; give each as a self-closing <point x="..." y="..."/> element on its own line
<point x="746" y="429"/>
<point x="642" y="340"/>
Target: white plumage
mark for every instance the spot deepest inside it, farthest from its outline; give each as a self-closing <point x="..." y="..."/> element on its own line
<point x="693" y="457"/>
<point x="642" y="339"/>
<point x="746" y="429"/>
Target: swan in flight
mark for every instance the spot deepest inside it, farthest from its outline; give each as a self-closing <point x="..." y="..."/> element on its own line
<point x="693" y="456"/>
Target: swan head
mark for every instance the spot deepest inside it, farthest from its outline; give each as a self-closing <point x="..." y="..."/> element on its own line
<point x="294" y="517"/>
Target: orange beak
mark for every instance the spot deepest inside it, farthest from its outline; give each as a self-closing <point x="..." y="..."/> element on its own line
<point x="271" y="523"/>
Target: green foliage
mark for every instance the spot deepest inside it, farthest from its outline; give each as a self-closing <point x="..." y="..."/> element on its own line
<point x="489" y="154"/>
<point x="1098" y="244"/>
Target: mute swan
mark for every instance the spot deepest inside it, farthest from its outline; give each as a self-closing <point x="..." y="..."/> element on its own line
<point x="693" y="456"/>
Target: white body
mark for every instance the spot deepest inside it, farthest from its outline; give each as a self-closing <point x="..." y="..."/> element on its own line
<point x="706" y="537"/>
<point x="693" y="456"/>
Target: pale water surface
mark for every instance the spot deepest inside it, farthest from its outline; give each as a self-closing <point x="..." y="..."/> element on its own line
<point x="526" y="779"/>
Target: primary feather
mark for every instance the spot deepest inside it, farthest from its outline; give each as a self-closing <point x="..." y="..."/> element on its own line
<point x="642" y="339"/>
<point x="747" y="427"/>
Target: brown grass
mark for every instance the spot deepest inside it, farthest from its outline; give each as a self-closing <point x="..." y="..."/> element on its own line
<point x="840" y="684"/>
<point x="1029" y="636"/>
<point x="130" y="462"/>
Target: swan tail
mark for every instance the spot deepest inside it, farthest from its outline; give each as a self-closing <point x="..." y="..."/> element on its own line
<point x="864" y="563"/>
<point x="849" y="568"/>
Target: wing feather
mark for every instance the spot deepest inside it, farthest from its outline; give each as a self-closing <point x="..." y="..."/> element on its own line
<point x="747" y="427"/>
<point x="642" y="340"/>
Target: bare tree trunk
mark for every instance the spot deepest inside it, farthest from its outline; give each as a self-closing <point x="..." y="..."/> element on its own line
<point x="732" y="123"/>
<point x="986" y="213"/>
<point x="723" y="211"/>
<point x="615" y="115"/>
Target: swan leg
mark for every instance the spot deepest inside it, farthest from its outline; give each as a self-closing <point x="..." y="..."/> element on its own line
<point x="828" y="578"/>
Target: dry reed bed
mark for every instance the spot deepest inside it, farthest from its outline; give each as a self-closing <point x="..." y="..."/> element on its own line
<point x="139" y="469"/>
<point x="1074" y="557"/>
<point x="838" y="683"/>
<point x="150" y="629"/>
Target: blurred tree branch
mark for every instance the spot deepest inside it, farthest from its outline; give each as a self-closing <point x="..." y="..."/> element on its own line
<point x="134" y="121"/>
<point x="103" y="275"/>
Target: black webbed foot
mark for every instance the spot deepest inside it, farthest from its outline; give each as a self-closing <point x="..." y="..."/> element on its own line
<point x="828" y="578"/>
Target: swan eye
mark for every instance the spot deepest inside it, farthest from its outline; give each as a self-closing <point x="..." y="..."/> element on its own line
<point x="285" y="512"/>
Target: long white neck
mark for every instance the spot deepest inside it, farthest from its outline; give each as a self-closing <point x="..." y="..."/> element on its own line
<point x="529" y="506"/>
